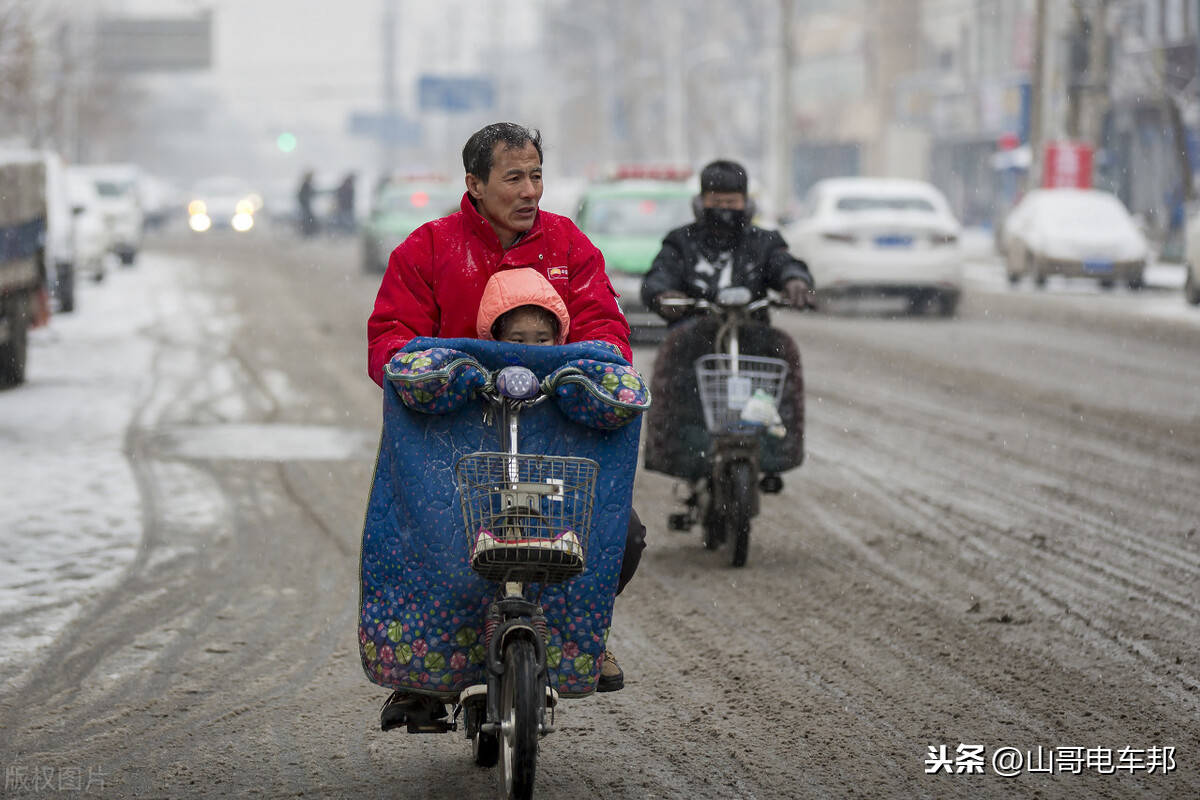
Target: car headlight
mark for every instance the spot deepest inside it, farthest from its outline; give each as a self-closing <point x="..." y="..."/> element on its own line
<point x="199" y="222"/>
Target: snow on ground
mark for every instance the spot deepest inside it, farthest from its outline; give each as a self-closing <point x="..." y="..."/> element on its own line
<point x="71" y="519"/>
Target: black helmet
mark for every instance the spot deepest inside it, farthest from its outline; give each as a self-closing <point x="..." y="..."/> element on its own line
<point x="724" y="176"/>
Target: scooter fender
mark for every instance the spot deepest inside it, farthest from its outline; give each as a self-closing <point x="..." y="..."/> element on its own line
<point x="509" y="629"/>
<point x="730" y="448"/>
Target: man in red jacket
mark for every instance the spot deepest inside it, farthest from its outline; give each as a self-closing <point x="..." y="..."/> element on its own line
<point x="435" y="278"/>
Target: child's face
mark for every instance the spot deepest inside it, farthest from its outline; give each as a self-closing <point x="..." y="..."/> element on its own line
<point x="528" y="326"/>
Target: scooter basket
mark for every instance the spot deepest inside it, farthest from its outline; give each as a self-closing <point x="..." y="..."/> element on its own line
<point x="726" y="386"/>
<point x="527" y="517"/>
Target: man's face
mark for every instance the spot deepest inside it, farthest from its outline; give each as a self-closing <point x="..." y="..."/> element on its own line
<point x="509" y="198"/>
<point x="734" y="200"/>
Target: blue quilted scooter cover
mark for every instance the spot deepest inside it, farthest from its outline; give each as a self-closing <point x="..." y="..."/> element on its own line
<point x="421" y="606"/>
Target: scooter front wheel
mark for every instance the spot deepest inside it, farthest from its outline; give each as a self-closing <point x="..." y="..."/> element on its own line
<point x="712" y="520"/>
<point x="740" y="501"/>
<point x="521" y="702"/>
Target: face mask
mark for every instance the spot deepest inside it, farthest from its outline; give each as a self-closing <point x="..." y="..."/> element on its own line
<point x="724" y="223"/>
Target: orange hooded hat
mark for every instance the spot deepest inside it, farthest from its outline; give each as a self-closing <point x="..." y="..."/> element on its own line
<point x="513" y="288"/>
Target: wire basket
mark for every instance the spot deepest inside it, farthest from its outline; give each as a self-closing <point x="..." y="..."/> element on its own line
<point x="527" y="517"/>
<point x="726" y="386"/>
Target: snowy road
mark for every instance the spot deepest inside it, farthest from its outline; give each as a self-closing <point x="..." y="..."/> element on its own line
<point x="993" y="542"/>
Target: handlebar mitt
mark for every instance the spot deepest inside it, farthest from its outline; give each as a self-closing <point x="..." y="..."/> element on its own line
<point x="435" y="381"/>
<point x="597" y="394"/>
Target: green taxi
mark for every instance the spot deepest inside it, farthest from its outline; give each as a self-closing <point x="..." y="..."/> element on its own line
<point x="398" y="208"/>
<point x="627" y="220"/>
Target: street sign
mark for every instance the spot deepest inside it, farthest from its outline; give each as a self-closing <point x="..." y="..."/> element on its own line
<point x="1067" y="164"/>
<point x="389" y="128"/>
<point x="149" y="44"/>
<point x="447" y="93"/>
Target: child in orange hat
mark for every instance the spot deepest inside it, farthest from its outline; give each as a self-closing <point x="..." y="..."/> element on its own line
<point x="520" y="306"/>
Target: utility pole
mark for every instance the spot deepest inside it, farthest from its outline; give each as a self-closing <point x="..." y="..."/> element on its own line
<point x="1087" y="99"/>
<point x="390" y="106"/>
<point x="675" y="96"/>
<point x="1097" y="77"/>
<point x="780" y="142"/>
<point x="1037" y="92"/>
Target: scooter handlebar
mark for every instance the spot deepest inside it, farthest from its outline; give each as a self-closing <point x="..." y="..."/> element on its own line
<point x="700" y="304"/>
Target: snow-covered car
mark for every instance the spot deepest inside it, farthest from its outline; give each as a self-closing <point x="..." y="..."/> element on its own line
<point x="1076" y="233"/>
<point x="223" y="203"/>
<point x="884" y="241"/>
<point x="60" y="241"/>
<point x="1191" y="283"/>
<point x="160" y="200"/>
<point x="90" y="238"/>
<point x="120" y="207"/>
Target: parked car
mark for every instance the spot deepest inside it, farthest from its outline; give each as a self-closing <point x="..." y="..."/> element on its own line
<point x="398" y="207"/>
<point x="58" y="251"/>
<point x="160" y="201"/>
<point x="60" y="239"/>
<point x="22" y="274"/>
<point x="628" y="219"/>
<point x="1073" y="232"/>
<point x="90" y="237"/>
<point x="223" y="203"/>
<point x="1191" y="283"/>
<point x="887" y="242"/>
<point x="120" y="207"/>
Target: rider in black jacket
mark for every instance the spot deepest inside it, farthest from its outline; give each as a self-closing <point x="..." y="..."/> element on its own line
<point x="721" y="248"/>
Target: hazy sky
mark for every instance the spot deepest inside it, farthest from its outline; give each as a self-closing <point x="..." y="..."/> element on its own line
<point x="306" y="65"/>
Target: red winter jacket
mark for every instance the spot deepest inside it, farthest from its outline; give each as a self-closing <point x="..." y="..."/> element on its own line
<point x="436" y="277"/>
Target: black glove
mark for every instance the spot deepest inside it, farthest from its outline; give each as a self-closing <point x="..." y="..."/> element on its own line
<point x="799" y="294"/>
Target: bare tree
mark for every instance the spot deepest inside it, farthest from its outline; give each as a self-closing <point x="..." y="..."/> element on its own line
<point x="51" y="94"/>
<point x="17" y="68"/>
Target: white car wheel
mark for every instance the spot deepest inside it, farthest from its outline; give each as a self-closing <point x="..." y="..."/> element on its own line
<point x="1191" y="287"/>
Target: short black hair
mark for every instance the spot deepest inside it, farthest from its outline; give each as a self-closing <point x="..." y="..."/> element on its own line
<point x="500" y="326"/>
<point x="477" y="152"/>
<point x="724" y="176"/>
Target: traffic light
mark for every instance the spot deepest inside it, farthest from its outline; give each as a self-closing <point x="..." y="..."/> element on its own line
<point x="286" y="142"/>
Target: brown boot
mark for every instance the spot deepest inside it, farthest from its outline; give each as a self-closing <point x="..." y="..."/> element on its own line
<point x="611" y="676"/>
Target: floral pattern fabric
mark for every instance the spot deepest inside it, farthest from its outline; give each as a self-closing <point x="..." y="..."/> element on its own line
<point x="421" y="612"/>
<point x="437" y="380"/>
<point x="599" y="394"/>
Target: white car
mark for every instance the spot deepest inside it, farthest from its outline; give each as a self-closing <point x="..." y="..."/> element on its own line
<point x="1073" y="232"/>
<point x="1191" y="284"/>
<point x="223" y="203"/>
<point x="120" y="206"/>
<point x="89" y="237"/>
<point x="883" y="242"/>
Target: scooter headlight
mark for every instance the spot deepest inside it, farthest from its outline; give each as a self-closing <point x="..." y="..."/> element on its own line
<point x="517" y="383"/>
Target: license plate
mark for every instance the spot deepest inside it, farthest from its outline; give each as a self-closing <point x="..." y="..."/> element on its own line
<point x="738" y="391"/>
<point x="893" y="240"/>
<point x="1097" y="267"/>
